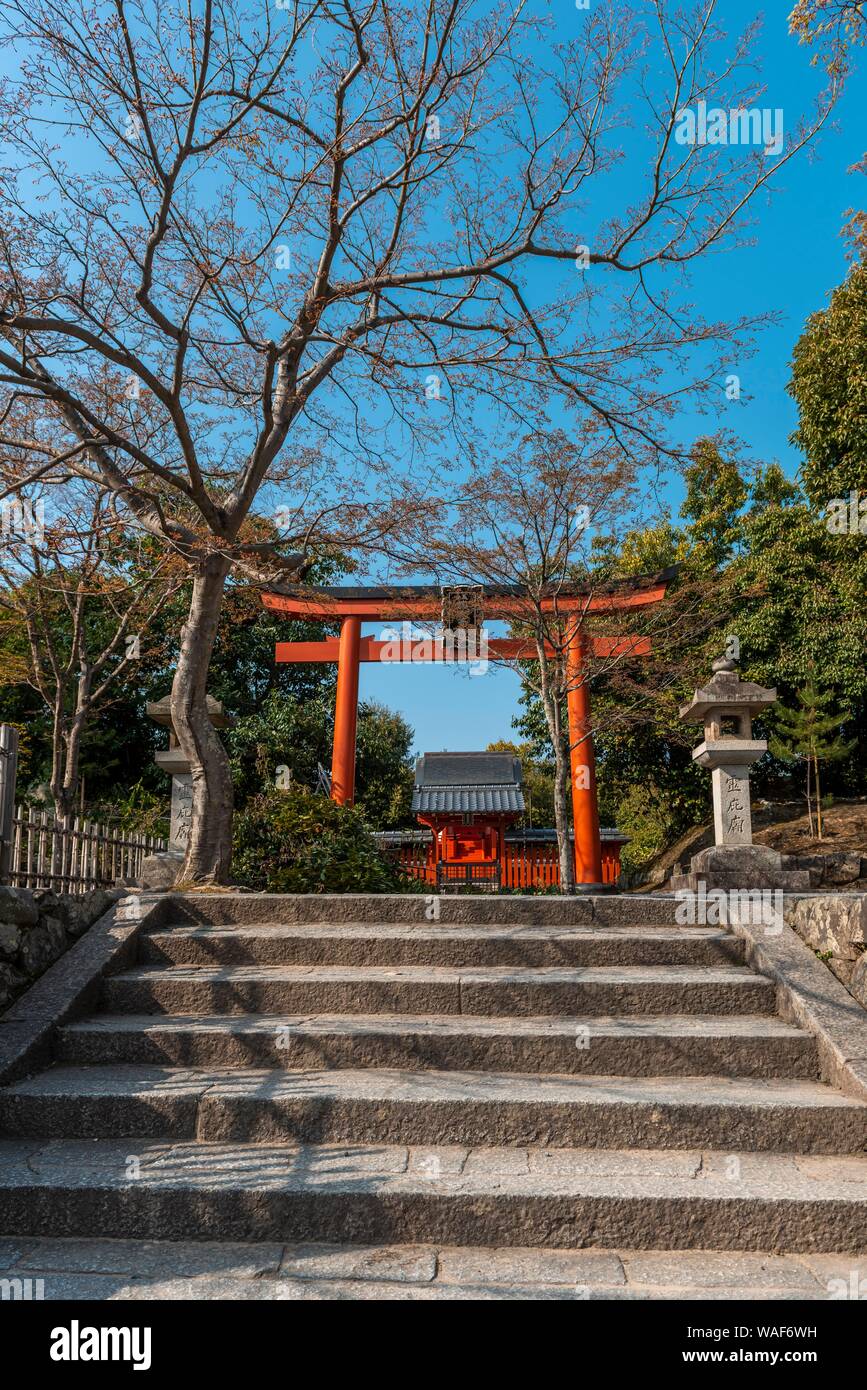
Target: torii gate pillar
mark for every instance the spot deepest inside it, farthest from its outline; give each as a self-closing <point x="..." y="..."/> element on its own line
<point x="585" y="806"/>
<point x="346" y="713"/>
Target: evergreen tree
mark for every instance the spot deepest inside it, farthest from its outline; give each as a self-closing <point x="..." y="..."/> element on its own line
<point x="810" y="731"/>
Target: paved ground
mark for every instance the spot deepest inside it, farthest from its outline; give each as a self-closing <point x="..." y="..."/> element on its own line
<point x="133" y="1269"/>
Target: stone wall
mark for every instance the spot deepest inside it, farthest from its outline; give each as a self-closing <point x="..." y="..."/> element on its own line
<point x="835" y="926"/>
<point x="834" y="869"/>
<point x="37" y="926"/>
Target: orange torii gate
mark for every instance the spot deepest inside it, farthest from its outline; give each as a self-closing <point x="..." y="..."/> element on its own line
<point x="353" y="606"/>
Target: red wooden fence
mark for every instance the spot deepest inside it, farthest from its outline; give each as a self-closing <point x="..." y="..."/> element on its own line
<point x="528" y="863"/>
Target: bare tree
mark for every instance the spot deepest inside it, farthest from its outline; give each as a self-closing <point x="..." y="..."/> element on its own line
<point x="70" y="585"/>
<point x="834" y="29"/>
<point x="530" y="522"/>
<point x="260" y="249"/>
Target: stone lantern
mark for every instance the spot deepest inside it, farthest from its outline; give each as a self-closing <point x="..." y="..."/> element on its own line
<point x="725" y="707"/>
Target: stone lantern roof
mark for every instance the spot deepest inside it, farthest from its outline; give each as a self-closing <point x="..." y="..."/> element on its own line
<point x="171" y="759"/>
<point x="727" y="697"/>
<point x="726" y="694"/>
<point x="160" y="711"/>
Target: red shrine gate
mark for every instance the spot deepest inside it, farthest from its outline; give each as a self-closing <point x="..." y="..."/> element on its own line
<point x="353" y="606"/>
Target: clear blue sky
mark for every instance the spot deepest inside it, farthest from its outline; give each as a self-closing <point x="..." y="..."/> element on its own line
<point x="797" y="259"/>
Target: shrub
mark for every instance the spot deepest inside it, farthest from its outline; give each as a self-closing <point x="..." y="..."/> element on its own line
<point x="295" y="841"/>
<point x="138" y="811"/>
<point x="643" y="817"/>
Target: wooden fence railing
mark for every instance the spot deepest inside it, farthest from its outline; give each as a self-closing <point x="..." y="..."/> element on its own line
<point x="76" y="858"/>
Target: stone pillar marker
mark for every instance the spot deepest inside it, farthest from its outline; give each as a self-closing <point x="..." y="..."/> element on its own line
<point x="8" y="773"/>
<point x="171" y="760"/>
<point x="725" y="707"/>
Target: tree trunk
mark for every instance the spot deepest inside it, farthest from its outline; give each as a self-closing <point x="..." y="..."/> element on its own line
<point x="68" y="794"/>
<point x="561" y="817"/>
<point x="819" y="825"/>
<point x="67" y="735"/>
<point x="64" y="787"/>
<point x="63" y="810"/>
<point x="809" y="801"/>
<point x="58" y="760"/>
<point x="209" y="848"/>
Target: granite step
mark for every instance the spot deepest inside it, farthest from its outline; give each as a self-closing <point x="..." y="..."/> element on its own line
<point x="440" y="1108"/>
<point x="552" y="1076"/>
<point x="466" y="947"/>
<point x="640" y="1045"/>
<point x="120" y="1270"/>
<point x="446" y="909"/>
<point x="563" y="1199"/>
<point x="502" y="990"/>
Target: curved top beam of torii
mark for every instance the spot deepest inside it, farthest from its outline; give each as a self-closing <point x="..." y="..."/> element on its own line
<point x="395" y="601"/>
<point x="352" y="605"/>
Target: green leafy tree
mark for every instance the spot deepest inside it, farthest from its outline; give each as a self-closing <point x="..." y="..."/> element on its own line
<point x="645" y="551"/>
<point x="77" y="599"/>
<point x="829" y="384"/>
<point x="792" y="593"/>
<point x="538" y="778"/>
<point x="799" y="601"/>
<point x="716" y="492"/>
<point x="384" y="766"/>
<point x="810" y="731"/>
<point x="286" y="738"/>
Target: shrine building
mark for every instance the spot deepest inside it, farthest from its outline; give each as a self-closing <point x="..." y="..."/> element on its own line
<point x="468" y="806"/>
<point x="467" y="800"/>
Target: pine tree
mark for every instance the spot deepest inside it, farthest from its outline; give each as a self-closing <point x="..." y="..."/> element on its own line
<point x="811" y="732"/>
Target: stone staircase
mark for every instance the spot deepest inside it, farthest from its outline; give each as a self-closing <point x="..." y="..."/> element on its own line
<point x="528" y="1074"/>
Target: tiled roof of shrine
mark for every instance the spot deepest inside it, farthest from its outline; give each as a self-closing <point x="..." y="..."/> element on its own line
<point x="461" y="783"/>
